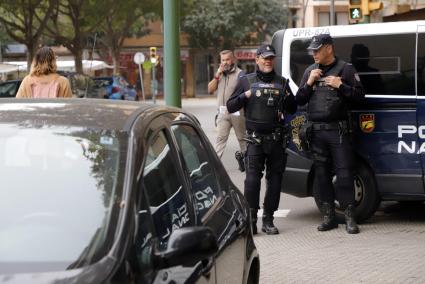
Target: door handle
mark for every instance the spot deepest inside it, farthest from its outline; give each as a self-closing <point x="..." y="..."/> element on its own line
<point x="240" y="225"/>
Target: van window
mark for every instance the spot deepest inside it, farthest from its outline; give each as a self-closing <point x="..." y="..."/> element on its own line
<point x="385" y="67"/>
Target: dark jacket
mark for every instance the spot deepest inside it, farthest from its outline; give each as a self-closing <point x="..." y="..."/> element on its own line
<point x="351" y="90"/>
<point x="238" y="100"/>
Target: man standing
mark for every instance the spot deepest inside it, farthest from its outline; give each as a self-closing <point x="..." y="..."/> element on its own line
<point x="266" y="98"/>
<point x="224" y="83"/>
<point x="329" y="86"/>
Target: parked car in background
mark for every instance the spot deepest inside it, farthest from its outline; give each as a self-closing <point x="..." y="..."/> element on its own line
<point x="8" y="89"/>
<point x="82" y="85"/>
<point x="116" y="88"/>
<point x="100" y="191"/>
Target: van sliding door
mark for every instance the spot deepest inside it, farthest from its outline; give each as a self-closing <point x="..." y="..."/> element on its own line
<point x="386" y="67"/>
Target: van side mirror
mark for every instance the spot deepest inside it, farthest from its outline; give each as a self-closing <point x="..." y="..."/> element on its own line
<point x="187" y="246"/>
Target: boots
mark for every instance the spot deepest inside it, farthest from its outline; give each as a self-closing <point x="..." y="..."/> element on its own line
<point x="268" y="226"/>
<point x="254" y="218"/>
<point x="350" y="222"/>
<point x="329" y="218"/>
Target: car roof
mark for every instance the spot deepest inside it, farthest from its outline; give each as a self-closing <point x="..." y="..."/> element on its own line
<point x="88" y="113"/>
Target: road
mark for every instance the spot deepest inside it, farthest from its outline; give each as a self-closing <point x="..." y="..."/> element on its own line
<point x="389" y="249"/>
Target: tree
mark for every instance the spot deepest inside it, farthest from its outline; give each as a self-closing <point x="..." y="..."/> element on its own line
<point x="126" y="19"/>
<point x="4" y="39"/>
<point x="25" y="21"/>
<point x="226" y="24"/>
<point x="73" y="21"/>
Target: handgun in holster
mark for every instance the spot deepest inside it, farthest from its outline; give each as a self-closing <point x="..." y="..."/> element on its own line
<point x="240" y="157"/>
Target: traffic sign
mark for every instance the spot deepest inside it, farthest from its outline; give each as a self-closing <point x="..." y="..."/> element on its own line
<point x="139" y="58"/>
<point x="356" y="13"/>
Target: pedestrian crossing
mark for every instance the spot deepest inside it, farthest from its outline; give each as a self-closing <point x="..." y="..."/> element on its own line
<point x="280" y="213"/>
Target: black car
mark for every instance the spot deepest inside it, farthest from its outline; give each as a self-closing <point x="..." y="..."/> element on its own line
<point x="8" y="89"/>
<point x="95" y="191"/>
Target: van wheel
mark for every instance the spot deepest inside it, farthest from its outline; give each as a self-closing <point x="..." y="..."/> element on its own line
<point x="366" y="194"/>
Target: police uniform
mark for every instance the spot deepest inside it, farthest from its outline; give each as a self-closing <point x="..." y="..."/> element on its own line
<point x="331" y="148"/>
<point x="271" y="98"/>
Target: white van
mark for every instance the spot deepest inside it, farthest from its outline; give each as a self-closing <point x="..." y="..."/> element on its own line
<point x="388" y="131"/>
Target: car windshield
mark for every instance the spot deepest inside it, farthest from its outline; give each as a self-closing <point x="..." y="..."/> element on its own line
<point x="60" y="190"/>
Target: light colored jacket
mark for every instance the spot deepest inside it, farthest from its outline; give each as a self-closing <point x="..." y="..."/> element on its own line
<point x="46" y="86"/>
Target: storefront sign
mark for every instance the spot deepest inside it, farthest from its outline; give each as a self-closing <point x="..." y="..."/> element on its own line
<point x="245" y="54"/>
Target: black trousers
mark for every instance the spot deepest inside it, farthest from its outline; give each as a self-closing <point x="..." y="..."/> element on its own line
<point x="271" y="156"/>
<point x="333" y="154"/>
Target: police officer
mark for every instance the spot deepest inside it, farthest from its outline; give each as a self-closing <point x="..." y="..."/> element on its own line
<point x="266" y="98"/>
<point x="329" y="86"/>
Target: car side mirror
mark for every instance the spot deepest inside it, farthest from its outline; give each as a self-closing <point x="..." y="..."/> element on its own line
<point x="187" y="246"/>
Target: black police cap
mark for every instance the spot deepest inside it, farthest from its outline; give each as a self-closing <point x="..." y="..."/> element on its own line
<point x="265" y="51"/>
<point x="319" y="40"/>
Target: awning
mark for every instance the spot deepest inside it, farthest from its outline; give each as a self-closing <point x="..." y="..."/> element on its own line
<point x="63" y="65"/>
<point x="8" y="68"/>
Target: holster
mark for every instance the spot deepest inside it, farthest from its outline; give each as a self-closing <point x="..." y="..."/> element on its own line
<point x="240" y="158"/>
<point x="305" y="133"/>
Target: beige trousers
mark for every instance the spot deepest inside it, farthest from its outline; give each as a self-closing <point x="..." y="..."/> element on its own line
<point x="225" y="122"/>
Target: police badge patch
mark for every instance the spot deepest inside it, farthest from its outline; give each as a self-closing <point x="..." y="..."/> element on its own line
<point x="367" y="122"/>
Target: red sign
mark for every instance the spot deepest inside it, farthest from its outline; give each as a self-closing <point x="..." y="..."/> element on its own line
<point x="245" y="54"/>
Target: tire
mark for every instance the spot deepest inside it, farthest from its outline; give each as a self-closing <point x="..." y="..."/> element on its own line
<point x="254" y="274"/>
<point x="366" y="194"/>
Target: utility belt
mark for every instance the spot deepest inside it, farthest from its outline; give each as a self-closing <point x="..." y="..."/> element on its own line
<point x="342" y="126"/>
<point x="280" y="134"/>
<point x="306" y="131"/>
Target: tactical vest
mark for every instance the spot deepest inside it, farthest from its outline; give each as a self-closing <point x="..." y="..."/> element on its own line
<point x="325" y="105"/>
<point x="261" y="111"/>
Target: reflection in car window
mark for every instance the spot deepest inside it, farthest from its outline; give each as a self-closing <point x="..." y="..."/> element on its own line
<point x="164" y="190"/>
<point x="59" y="186"/>
<point x="202" y="178"/>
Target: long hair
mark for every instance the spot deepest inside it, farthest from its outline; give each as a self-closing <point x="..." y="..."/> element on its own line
<point x="44" y="62"/>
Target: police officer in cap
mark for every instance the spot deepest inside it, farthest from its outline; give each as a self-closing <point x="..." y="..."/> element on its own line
<point x="330" y="86"/>
<point x="266" y="98"/>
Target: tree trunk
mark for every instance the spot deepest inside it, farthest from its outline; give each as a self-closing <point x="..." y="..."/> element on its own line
<point x="30" y="55"/>
<point x="116" y="60"/>
<point x="79" y="61"/>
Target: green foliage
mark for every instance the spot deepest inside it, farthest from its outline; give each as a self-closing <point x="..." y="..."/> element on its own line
<point x="24" y="21"/>
<point x="227" y="23"/>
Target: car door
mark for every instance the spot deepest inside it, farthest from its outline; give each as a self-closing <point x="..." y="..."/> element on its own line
<point x="164" y="206"/>
<point x="213" y="204"/>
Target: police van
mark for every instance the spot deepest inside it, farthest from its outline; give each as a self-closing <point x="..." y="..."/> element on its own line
<point x="388" y="131"/>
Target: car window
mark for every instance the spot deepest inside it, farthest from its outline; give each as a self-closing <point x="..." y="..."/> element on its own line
<point x="199" y="168"/>
<point x="8" y="89"/>
<point x="144" y="241"/>
<point x="164" y="190"/>
<point x="122" y="82"/>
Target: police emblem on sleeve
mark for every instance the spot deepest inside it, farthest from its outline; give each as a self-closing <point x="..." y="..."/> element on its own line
<point x="357" y="77"/>
<point x="367" y="122"/>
